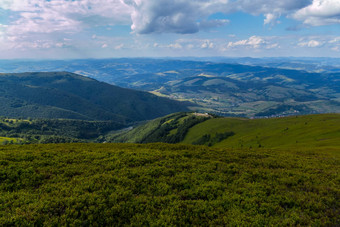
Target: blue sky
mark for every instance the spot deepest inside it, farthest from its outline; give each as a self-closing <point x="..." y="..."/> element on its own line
<point x="63" y="29"/>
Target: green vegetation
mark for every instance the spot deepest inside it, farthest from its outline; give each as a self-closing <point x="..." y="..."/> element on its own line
<point x="70" y="96"/>
<point x="289" y="132"/>
<point x="207" y="139"/>
<point x="162" y="184"/>
<point x="8" y="140"/>
<point x="55" y="130"/>
<point x="168" y="129"/>
<point x="238" y="87"/>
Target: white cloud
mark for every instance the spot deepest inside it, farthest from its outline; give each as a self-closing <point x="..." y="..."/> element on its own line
<point x="207" y="44"/>
<point x="51" y="21"/>
<point x="335" y="40"/>
<point x="271" y="9"/>
<point x="272" y="46"/>
<point x="336" y="48"/>
<point x="156" y="16"/>
<point x="320" y="12"/>
<point x="183" y="16"/>
<point x="175" y="46"/>
<point x="118" y="47"/>
<point x="253" y="42"/>
<point x="176" y="16"/>
<point x="60" y="45"/>
<point x="311" y="43"/>
<point x="269" y="6"/>
<point x="335" y="44"/>
<point x="40" y="16"/>
<point x="271" y="19"/>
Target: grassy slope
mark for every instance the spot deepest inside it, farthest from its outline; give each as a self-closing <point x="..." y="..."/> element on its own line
<point x="160" y="184"/>
<point x="137" y="134"/>
<point x="159" y="130"/>
<point x="2" y="139"/>
<point x="298" y="131"/>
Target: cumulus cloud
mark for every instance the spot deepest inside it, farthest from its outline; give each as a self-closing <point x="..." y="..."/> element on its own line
<point x="253" y="42"/>
<point x="41" y="24"/>
<point x="311" y="43"/>
<point x="46" y="23"/>
<point x="271" y="19"/>
<point x="320" y="12"/>
<point x="207" y="44"/>
<point x="183" y="16"/>
<point x="175" y="46"/>
<point x="157" y="16"/>
<point x="176" y="16"/>
<point x="271" y="9"/>
<point x="40" y="16"/>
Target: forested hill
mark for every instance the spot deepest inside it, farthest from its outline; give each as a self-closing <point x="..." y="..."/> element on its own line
<point x="71" y="96"/>
<point x="321" y="130"/>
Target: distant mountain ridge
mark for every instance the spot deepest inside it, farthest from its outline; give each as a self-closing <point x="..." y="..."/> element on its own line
<point x="71" y="96"/>
<point x="259" y="87"/>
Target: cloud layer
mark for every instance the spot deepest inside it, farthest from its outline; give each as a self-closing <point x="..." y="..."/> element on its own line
<point x="176" y="25"/>
<point x="40" y="16"/>
<point x="158" y="16"/>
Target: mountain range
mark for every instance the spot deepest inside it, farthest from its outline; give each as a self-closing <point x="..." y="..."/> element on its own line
<point x="255" y="88"/>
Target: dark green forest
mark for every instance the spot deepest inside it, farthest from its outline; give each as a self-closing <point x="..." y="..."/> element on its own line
<point x="55" y="130"/>
<point x="66" y="95"/>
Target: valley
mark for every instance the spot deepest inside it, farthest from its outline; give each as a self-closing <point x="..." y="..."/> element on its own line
<point x="169" y="113"/>
<point x="214" y="145"/>
<point x="263" y="88"/>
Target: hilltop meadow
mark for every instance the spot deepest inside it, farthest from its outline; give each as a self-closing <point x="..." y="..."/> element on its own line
<point x="163" y="184"/>
<point x="241" y="172"/>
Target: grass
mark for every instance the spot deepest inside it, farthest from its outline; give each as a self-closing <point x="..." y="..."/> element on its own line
<point x="167" y="185"/>
<point x="8" y="139"/>
<point x="12" y="121"/>
<point x="289" y="132"/>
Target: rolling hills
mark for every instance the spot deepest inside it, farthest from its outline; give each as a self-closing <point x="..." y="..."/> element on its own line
<point x="287" y="132"/>
<point x="71" y="96"/>
<point x="229" y="87"/>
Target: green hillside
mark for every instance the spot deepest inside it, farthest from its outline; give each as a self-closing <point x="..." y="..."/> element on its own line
<point x="200" y="129"/>
<point x="55" y="130"/>
<point x="168" y="129"/>
<point x="167" y="185"/>
<point x="67" y="95"/>
<point x="297" y="131"/>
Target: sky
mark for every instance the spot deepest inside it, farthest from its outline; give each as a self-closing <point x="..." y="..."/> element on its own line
<point x="69" y="29"/>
